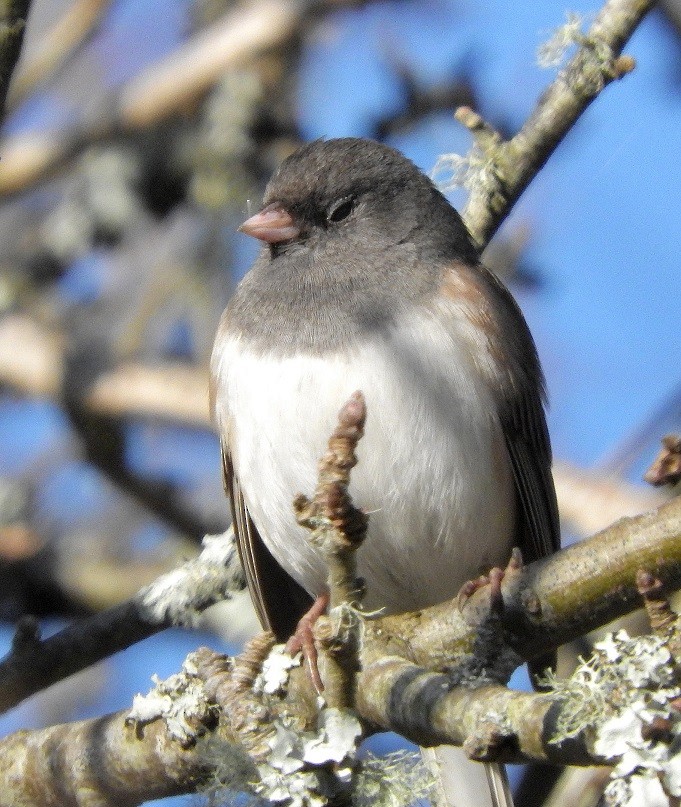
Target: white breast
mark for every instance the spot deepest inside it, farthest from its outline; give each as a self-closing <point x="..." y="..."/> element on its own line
<point x="433" y="470"/>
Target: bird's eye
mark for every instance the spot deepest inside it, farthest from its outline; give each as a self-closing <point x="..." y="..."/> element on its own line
<point x="341" y="209"/>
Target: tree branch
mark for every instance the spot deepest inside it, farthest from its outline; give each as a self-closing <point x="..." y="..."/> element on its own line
<point x="503" y="169"/>
<point x="175" y="598"/>
<point x="412" y="665"/>
<point x="206" y="722"/>
<point x="100" y="762"/>
<point x="436" y="675"/>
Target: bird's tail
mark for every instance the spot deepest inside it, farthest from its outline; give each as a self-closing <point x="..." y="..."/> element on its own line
<point x="461" y="782"/>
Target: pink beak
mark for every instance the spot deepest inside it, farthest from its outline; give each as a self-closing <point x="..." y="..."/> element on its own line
<point x="272" y="224"/>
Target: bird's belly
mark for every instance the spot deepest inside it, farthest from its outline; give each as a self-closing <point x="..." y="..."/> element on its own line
<point x="433" y="471"/>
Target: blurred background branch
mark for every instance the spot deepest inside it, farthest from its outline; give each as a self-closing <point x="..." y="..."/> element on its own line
<point x="174" y="86"/>
<point x="13" y="15"/>
<point x="78" y="24"/>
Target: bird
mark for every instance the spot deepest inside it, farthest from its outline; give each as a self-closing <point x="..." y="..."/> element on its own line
<point x="367" y="279"/>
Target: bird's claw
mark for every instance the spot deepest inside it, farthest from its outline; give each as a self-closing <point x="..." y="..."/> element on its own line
<point x="303" y="640"/>
<point x="493" y="579"/>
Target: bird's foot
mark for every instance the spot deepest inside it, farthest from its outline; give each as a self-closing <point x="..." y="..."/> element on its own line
<point x="303" y="640"/>
<point x="493" y="579"/>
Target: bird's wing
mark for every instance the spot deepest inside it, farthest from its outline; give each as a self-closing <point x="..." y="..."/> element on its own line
<point x="501" y="335"/>
<point x="537" y="529"/>
<point x="527" y="441"/>
<point x="520" y="390"/>
<point x="279" y="601"/>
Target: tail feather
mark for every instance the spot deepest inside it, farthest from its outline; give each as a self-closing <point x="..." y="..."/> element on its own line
<point x="499" y="786"/>
<point x="461" y="782"/>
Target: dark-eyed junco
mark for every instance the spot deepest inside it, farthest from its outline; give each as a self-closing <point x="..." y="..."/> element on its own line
<point x="368" y="280"/>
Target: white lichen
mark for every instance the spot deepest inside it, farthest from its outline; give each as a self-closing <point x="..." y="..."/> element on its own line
<point x="475" y="170"/>
<point x="306" y="769"/>
<point x="336" y="739"/>
<point x="275" y="670"/>
<point x="552" y="53"/>
<point x="453" y="171"/>
<point x="181" y="595"/>
<point x="179" y="700"/>
<point x="597" y="59"/>
<point x="622" y="696"/>
<point x="642" y="790"/>
<point x="393" y="781"/>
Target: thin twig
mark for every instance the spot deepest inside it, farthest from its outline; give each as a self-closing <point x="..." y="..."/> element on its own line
<point x="507" y="168"/>
<point x="590" y="500"/>
<point x="175" y="598"/>
<point x="666" y="468"/>
<point x="337" y="530"/>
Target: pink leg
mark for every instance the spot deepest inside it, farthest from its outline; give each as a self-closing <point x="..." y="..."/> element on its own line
<point x="303" y="639"/>
<point x="494" y="578"/>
